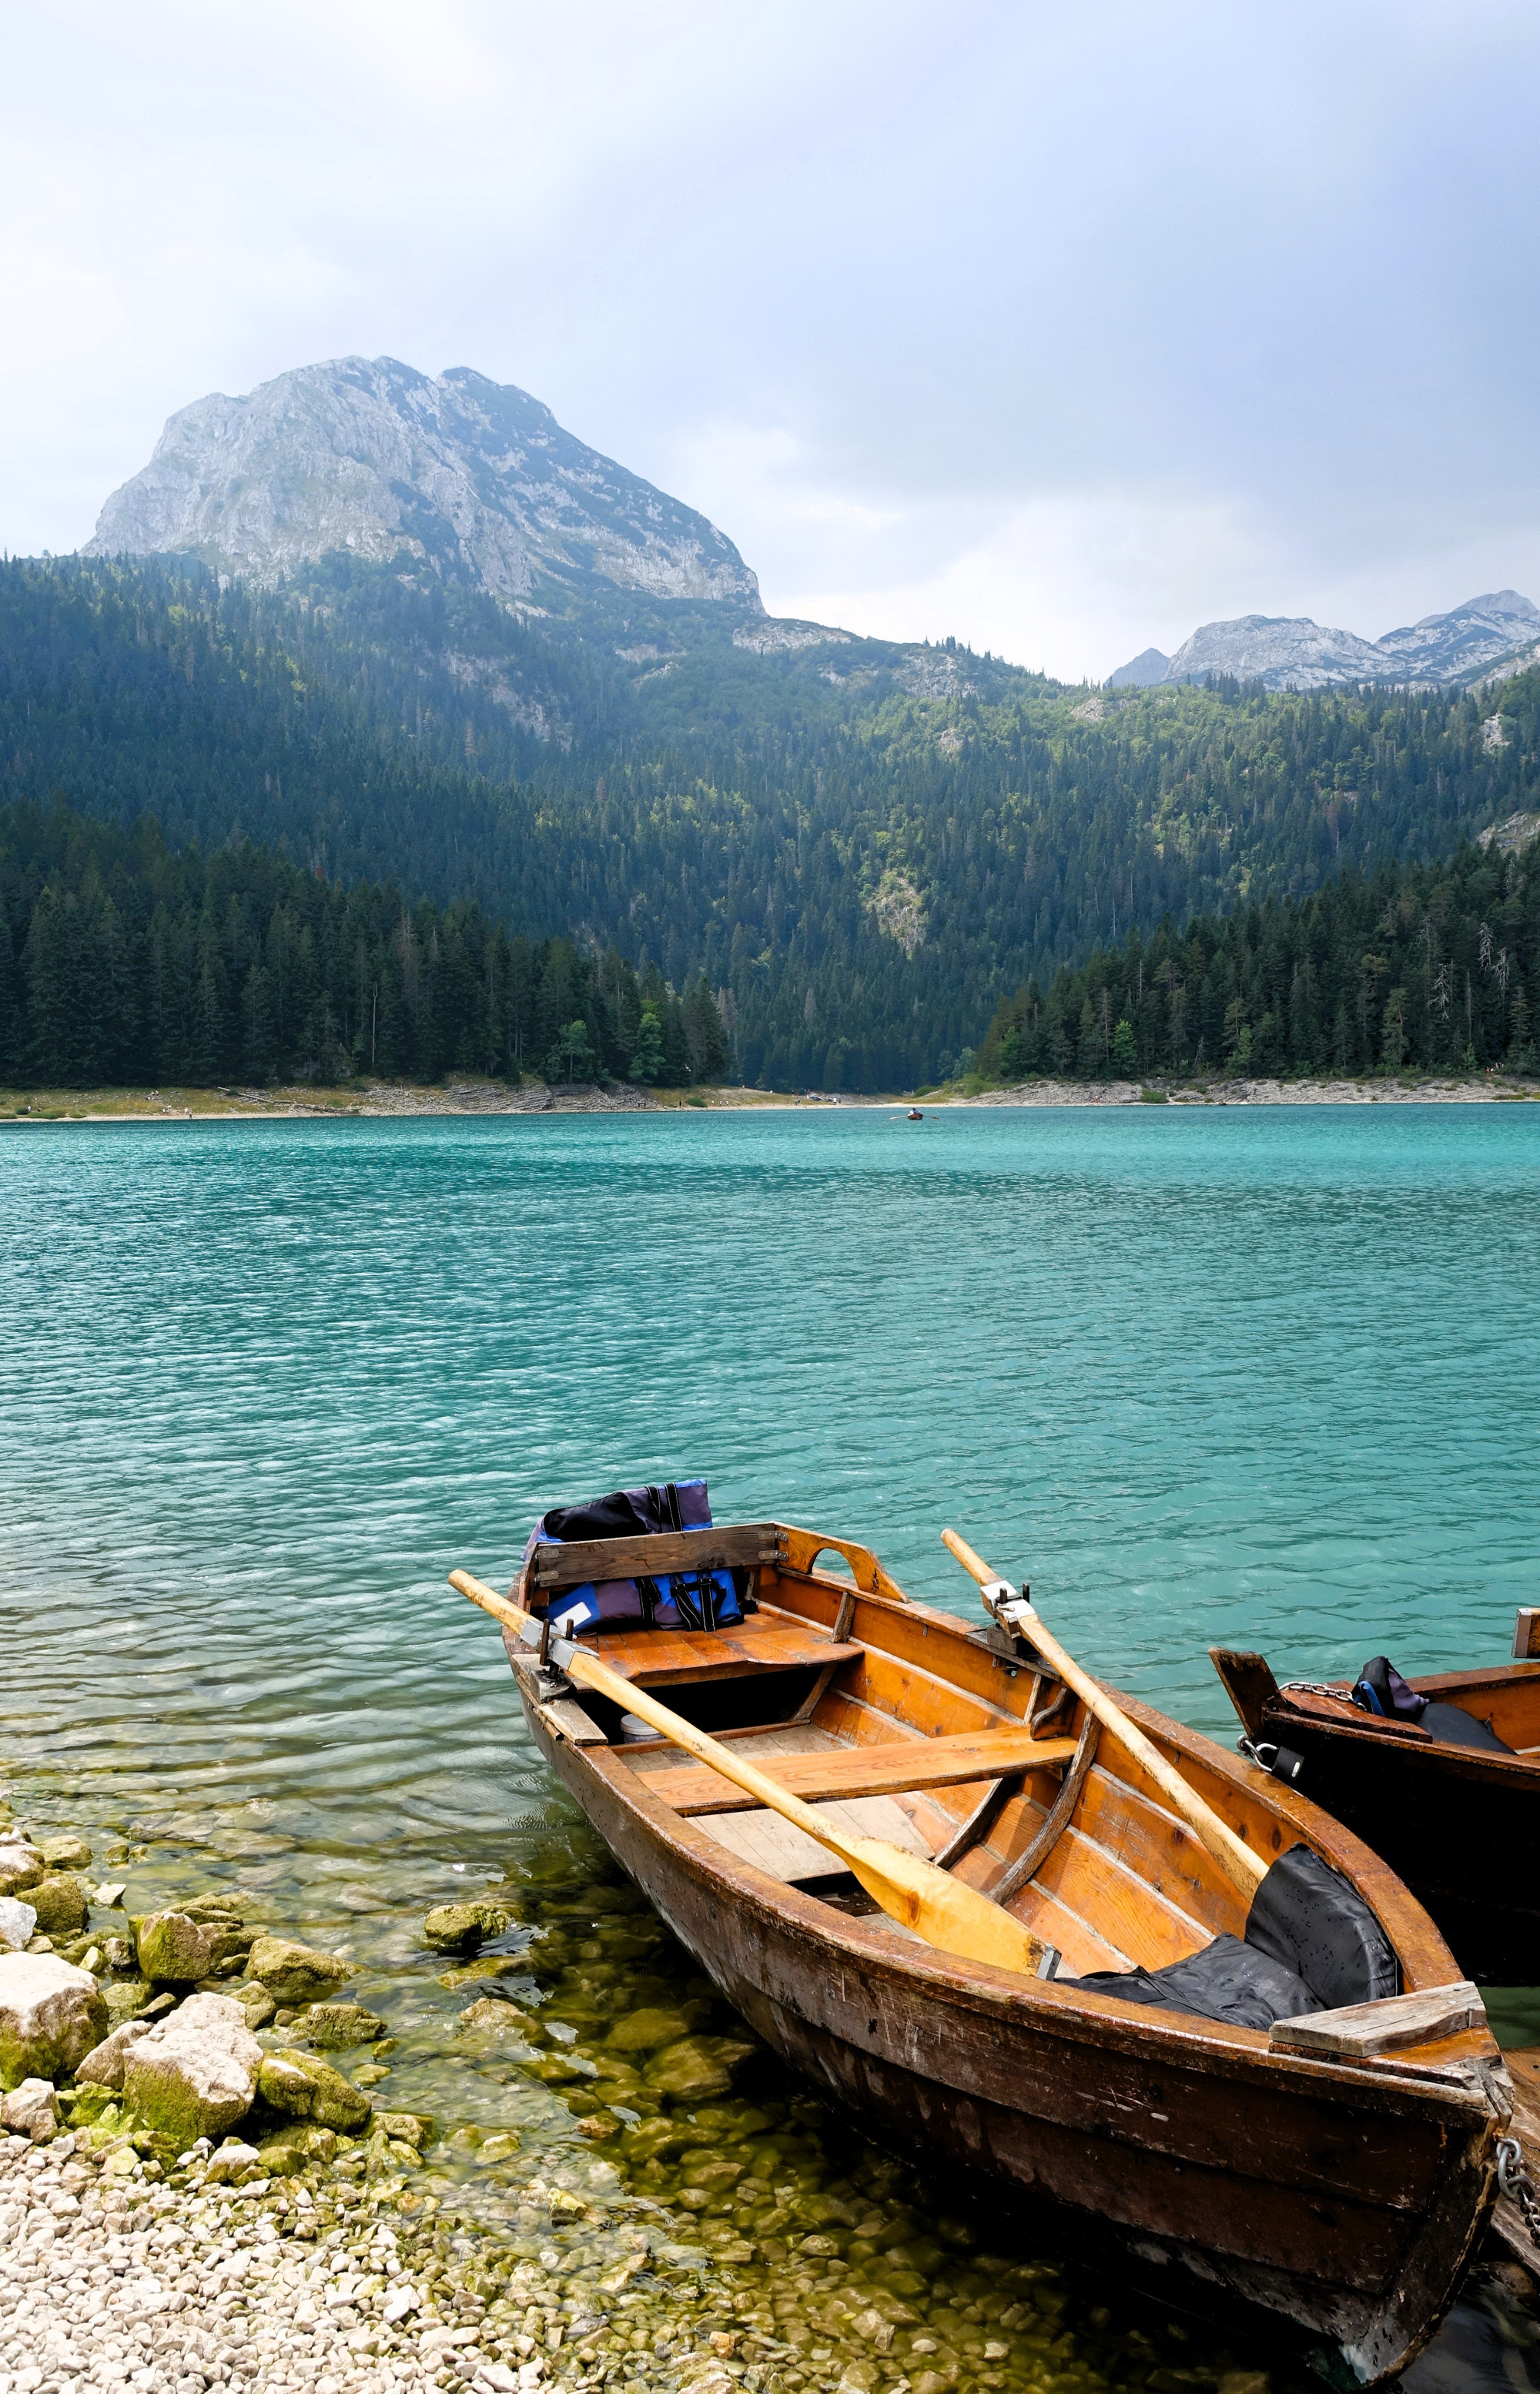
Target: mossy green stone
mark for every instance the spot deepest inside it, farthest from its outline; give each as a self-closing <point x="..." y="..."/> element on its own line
<point x="60" y="1904"/>
<point x="296" y="1973"/>
<point x="310" y="2089"/>
<point x="687" y="2069"/>
<point x="66" y="1853"/>
<point x="336" y="2028"/>
<point x="646" y="2031"/>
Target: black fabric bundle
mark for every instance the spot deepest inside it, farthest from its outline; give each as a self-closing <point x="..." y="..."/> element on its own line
<point x="1311" y="1945"/>
<point x="1382" y="1693"/>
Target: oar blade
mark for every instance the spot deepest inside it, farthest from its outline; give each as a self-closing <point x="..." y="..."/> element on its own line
<point x="946" y="1913"/>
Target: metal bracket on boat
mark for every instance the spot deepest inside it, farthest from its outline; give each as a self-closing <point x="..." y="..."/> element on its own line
<point x="1008" y="1635"/>
<point x="554" y="1652"/>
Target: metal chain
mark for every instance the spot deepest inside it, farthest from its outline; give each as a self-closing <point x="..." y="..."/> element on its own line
<point x="1514" y="2179"/>
<point x="1315" y="1688"/>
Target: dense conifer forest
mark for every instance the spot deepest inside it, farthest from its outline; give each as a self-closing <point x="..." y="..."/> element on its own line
<point x="1431" y="968"/>
<point x="125" y="962"/>
<point x="857" y="853"/>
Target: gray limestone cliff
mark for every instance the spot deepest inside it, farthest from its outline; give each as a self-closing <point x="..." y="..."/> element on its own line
<point x="471" y="479"/>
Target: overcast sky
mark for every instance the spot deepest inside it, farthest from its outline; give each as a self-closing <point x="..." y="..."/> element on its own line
<point x="1061" y="328"/>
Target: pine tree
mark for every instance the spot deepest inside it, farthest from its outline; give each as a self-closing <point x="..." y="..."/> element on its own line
<point x="647" y="1061"/>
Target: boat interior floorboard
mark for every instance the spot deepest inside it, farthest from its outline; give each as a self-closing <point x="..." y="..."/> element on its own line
<point x="785" y="1852"/>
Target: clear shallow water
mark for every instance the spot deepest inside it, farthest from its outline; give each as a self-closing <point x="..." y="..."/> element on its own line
<point x="1255" y="1377"/>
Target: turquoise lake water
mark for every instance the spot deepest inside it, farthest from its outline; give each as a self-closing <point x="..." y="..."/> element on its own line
<point x="1246" y="1376"/>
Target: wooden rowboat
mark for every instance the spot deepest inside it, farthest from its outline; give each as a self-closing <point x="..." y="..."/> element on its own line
<point x="1336" y="2187"/>
<point x="1453" y="1820"/>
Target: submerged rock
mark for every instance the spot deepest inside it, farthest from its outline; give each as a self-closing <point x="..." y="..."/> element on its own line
<point x="490" y="2018"/>
<point x="50" y="2016"/>
<point x="30" y="2109"/>
<point x="105" y="2064"/>
<point x="308" y="2089"/>
<point x="67" y="1853"/>
<point x="691" y="2070"/>
<point x="335" y="2028"/>
<point x="60" y="1904"/>
<point x="645" y="2030"/>
<point x="404" y="2129"/>
<point x="296" y="1973"/>
<point x="194" y="2074"/>
<point x="459" y="1927"/>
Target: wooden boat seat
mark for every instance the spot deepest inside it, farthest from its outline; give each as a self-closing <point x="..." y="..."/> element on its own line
<point x="673" y="1658"/>
<point x="847" y="1772"/>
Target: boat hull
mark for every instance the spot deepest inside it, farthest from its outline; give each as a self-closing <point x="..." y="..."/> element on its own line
<point x="1450" y="1822"/>
<point x="1339" y="2204"/>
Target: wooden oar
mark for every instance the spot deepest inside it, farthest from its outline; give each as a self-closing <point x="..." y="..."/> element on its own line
<point x="1233" y="1855"/>
<point x="942" y="1910"/>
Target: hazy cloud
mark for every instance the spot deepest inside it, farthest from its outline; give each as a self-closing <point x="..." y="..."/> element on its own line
<point x="1062" y="330"/>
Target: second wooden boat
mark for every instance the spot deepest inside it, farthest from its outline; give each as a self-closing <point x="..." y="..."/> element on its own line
<point x="1329" y="2175"/>
<point x="1451" y="1818"/>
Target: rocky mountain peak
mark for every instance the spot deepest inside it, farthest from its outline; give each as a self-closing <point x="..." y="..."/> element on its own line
<point x="471" y="479"/>
<point x="1292" y="652"/>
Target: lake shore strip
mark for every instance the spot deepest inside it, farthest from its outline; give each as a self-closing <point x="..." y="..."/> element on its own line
<point x="384" y="1101"/>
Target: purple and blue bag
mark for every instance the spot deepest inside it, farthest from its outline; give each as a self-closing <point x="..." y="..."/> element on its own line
<point x="679" y="1600"/>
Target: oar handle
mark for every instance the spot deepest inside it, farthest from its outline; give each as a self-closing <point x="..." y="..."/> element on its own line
<point x="1233" y="1855"/>
<point x="972" y="1563"/>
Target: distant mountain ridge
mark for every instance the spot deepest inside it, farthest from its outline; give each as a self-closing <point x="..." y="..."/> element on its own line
<point x="471" y="477"/>
<point x="1500" y="628"/>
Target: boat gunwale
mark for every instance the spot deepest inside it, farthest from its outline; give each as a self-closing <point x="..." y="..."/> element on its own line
<point x="1359" y="1728"/>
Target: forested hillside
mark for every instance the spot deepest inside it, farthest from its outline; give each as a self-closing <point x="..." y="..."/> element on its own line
<point x="122" y="961"/>
<point x="1432" y="968"/>
<point x="858" y="850"/>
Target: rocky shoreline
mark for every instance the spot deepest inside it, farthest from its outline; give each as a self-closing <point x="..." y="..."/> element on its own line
<point x="191" y="2196"/>
<point x="401" y="1101"/>
<point x="1428" y="1092"/>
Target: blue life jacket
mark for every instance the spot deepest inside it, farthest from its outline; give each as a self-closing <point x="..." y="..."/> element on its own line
<point x="679" y="1600"/>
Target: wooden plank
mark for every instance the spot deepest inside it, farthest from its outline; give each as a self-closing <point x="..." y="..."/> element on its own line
<point x="647" y="1759"/>
<point x="655" y="1657"/>
<point x="815" y="1694"/>
<point x="801" y="1548"/>
<point x="569" y="1720"/>
<point x="1360" y="2030"/>
<point x="872" y="1770"/>
<point x="1526" y="1633"/>
<point x="734" y="1547"/>
<point x="1248" y="1680"/>
<point x="787" y="1853"/>
<point x="1113" y="1901"/>
<point x="1340" y="1712"/>
<point x="1134" y="1826"/>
